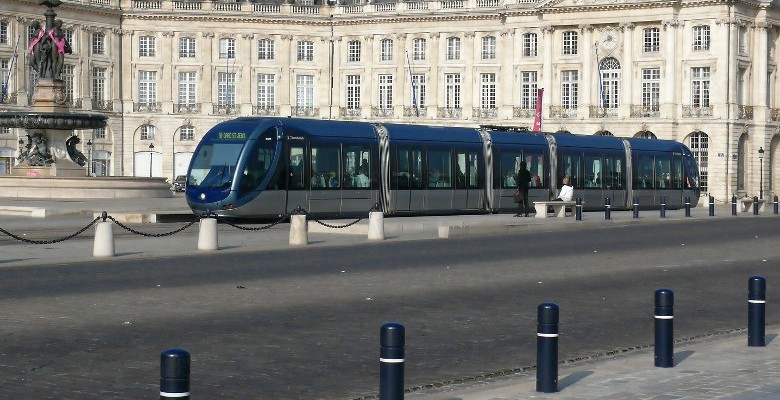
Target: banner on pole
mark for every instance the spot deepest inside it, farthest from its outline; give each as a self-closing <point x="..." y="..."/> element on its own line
<point x="538" y="113"/>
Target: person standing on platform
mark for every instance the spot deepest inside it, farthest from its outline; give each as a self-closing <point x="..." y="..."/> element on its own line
<point x="523" y="179"/>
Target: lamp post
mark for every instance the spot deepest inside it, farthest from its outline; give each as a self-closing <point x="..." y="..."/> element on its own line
<point x="89" y="157"/>
<point x="151" y="158"/>
<point x="761" y="173"/>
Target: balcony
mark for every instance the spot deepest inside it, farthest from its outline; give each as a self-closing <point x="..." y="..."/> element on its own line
<point x="147" y="107"/>
<point x="520" y="112"/>
<point x="696" y="111"/>
<point x="562" y="112"/>
<point x="184" y="108"/>
<point x="415" y="111"/>
<point x="447" y="112"/>
<point x="602" y="112"/>
<point x="651" y="111"/>
<point x="382" y="112"/>
<point x="744" y="112"/>
<point x="102" y="105"/>
<point x="484" y="112"/>
<point x="345" y="112"/>
<point x="305" y="111"/>
<point x="224" y="109"/>
<point x="267" y="111"/>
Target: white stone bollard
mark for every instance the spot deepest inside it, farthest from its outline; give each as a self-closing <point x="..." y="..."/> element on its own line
<point x="376" y="225"/>
<point x="104" y="240"/>
<point x="207" y="236"/>
<point x="299" y="230"/>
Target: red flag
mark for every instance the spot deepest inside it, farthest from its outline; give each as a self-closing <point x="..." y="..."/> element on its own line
<point x="538" y="114"/>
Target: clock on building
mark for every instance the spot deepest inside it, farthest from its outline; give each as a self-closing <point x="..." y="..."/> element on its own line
<point x="609" y="39"/>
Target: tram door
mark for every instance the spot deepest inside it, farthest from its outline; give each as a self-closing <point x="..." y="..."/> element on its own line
<point x="614" y="185"/>
<point x="297" y="167"/>
<point x="407" y="180"/>
<point x="327" y="179"/>
<point x="467" y="188"/>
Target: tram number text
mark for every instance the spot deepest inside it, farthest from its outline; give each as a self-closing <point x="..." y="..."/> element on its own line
<point x="232" y="135"/>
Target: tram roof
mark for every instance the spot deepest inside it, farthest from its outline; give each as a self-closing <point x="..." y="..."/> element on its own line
<point x="517" y="137"/>
<point x="324" y="128"/>
<point x="587" y="141"/>
<point x="655" y="144"/>
<point x="424" y="133"/>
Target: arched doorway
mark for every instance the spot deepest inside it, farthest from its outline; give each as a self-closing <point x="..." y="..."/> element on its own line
<point x="699" y="144"/>
<point x="603" y="132"/>
<point x="774" y="171"/>
<point x="741" y="161"/>
<point x="645" y="135"/>
<point x="148" y="163"/>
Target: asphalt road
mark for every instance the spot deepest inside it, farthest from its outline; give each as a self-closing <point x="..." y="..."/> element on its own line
<point x="304" y="324"/>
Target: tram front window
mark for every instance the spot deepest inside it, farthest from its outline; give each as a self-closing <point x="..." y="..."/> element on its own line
<point x="214" y="165"/>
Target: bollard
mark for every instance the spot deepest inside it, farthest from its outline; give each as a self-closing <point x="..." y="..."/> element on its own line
<point x="376" y="225"/>
<point x="391" y="361"/>
<point x="578" y="209"/>
<point x="775" y="204"/>
<point x="299" y="229"/>
<point x="712" y="206"/>
<point x="687" y="206"/>
<point x="663" y="206"/>
<point x="175" y="374"/>
<point x="756" y="311"/>
<point x="607" y="208"/>
<point x="547" y="348"/>
<point x="207" y="234"/>
<point x="733" y="205"/>
<point x="103" y="245"/>
<point x="755" y="205"/>
<point x="664" y="328"/>
<point x="636" y="207"/>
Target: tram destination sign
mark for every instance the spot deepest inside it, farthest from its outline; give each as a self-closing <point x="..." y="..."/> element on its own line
<point x="231" y="135"/>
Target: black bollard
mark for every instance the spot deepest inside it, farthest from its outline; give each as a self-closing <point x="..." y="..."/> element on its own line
<point x="755" y="205"/>
<point x="687" y="206"/>
<point x="391" y="361"/>
<point x="607" y="208"/>
<point x="712" y="206"/>
<point x="578" y="209"/>
<point x="175" y="374"/>
<point x="664" y="328"/>
<point x="663" y="206"/>
<point x="756" y="311"/>
<point x="636" y="207"/>
<point x="733" y="205"/>
<point x="547" y="348"/>
<point x="775" y="204"/>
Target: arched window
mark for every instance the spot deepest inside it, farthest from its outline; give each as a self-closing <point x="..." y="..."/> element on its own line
<point x="699" y="144"/>
<point x="186" y="133"/>
<point x="603" y="132"/>
<point x="645" y="135"/>
<point x="610" y="83"/>
<point x="741" y="161"/>
<point x="147" y="132"/>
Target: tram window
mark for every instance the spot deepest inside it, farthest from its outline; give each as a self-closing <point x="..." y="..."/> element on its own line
<point x="569" y="166"/>
<point x="474" y="175"/>
<point x="416" y="165"/>
<point x="325" y="167"/>
<point x="357" y="167"/>
<point x="618" y="175"/>
<point x="608" y="175"/>
<point x="663" y="172"/>
<point x="439" y="169"/>
<point x="691" y="173"/>
<point x="297" y="168"/>
<point x="535" y="162"/>
<point x="677" y="174"/>
<point x="593" y="173"/>
<point x="510" y="164"/>
<point x="256" y="166"/>
<point x="460" y="171"/>
<point x="644" y="176"/>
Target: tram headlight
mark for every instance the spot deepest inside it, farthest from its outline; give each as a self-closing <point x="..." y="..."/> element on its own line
<point x="203" y="196"/>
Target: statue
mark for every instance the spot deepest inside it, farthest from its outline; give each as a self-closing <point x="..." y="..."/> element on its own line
<point x="48" y="45"/>
<point x="58" y="50"/>
<point x="73" y="152"/>
<point x="35" y="44"/>
<point x="36" y="151"/>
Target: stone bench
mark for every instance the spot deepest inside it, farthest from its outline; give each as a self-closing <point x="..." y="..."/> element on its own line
<point x="747" y="204"/>
<point x="559" y="208"/>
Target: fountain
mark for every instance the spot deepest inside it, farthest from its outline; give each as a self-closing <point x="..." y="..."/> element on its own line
<point x="50" y="164"/>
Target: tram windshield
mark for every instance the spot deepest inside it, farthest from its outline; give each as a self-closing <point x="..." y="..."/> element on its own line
<point x="214" y="165"/>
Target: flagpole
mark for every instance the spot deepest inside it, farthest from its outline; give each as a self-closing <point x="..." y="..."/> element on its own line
<point x="598" y="71"/>
<point x="10" y="70"/>
<point x="414" y="93"/>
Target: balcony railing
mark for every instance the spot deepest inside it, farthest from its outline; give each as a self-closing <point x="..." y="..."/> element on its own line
<point x="520" y="112"/>
<point x="267" y="8"/>
<point x="345" y="112"/>
<point x="224" y="109"/>
<point x="382" y="112"/>
<point x="447" y="112"/>
<point x="187" y="5"/>
<point x="774" y="114"/>
<point x="602" y="112"/>
<point x="184" y="108"/>
<point x="415" y="111"/>
<point x="147" y="107"/>
<point x="562" y="112"/>
<point x="232" y="6"/>
<point x="102" y="105"/>
<point x="744" y="112"/>
<point x="696" y="111"/>
<point x="477" y="112"/>
<point x="651" y="111"/>
<point x="147" y="4"/>
<point x="305" y="111"/>
<point x="265" y="110"/>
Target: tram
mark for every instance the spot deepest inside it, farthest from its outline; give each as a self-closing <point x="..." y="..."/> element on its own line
<point x="260" y="167"/>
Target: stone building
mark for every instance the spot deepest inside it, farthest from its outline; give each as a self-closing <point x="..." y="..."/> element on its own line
<point x="165" y="71"/>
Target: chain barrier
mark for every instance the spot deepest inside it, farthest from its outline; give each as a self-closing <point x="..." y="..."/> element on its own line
<point x="79" y="232"/>
<point x="282" y="218"/>
<point x="300" y="210"/>
<point x="131" y="230"/>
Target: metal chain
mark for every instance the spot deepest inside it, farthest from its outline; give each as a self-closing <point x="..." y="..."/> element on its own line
<point x="373" y="208"/>
<point x="131" y="230"/>
<point x="79" y="232"/>
<point x="282" y="218"/>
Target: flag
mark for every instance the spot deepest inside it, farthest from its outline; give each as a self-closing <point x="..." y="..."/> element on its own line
<point x="538" y="113"/>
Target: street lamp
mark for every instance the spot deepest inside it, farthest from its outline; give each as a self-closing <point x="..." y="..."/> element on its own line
<point x="761" y="173"/>
<point x="151" y="158"/>
<point x="89" y="157"/>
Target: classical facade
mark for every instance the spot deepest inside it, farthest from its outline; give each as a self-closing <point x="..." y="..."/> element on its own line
<point x="700" y="72"/>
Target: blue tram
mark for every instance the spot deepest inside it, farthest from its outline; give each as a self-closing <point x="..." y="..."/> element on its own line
<point x="262" y="167"/>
